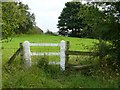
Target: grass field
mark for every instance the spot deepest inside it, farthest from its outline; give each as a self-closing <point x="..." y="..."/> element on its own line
<point x="76" y="44"/>
<point x="50" y="76"/>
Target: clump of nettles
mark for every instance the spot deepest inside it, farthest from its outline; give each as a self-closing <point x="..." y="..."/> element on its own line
<point x="107" y="74"/>
<point x="43" y="63"/>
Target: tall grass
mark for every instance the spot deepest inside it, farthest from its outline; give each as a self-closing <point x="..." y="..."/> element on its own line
<point x="51" y="77"/>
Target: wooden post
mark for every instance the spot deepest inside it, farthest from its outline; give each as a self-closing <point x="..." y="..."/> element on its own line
<point x="67" y="54"/>
<point x="27" y="54"/>
<point x="100" y="51"/>
<point x="13" y="57"/>
<point x="62" y="54"/>
<point x="1" y="70"/>
<point x="21" y="54"/>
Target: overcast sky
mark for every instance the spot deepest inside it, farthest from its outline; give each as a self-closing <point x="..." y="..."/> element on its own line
<point x="46" y="12"/>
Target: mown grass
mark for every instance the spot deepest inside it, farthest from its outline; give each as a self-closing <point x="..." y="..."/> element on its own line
<point x="76" y="44"/>
<point x="50" y="76"/>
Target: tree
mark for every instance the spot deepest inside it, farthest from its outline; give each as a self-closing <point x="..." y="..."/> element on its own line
<point x="69" y="20"/>
<point x="10" y="19"/>
<point x="29" y="19"/>
<point x="105" y="25"/>
<point x="94" y="18"/>
<point x="16" y="19"/>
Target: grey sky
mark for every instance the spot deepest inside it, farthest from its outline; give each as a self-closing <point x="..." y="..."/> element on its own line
<point x="46" y="12"/>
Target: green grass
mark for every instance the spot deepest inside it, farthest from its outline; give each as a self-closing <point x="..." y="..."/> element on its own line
<point x="50" y="76"/>
<point x="76" y="44"/>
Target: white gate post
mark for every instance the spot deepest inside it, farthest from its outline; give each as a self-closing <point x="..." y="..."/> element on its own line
<point x="62" y="54"/>
<point x="27" y="54"/>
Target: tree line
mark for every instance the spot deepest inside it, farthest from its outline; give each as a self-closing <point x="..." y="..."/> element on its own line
<point x="99" y="20"/>
<point x="16" y="19"/>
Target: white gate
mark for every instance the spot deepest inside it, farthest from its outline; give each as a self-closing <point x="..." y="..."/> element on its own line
<point x="27" y="53"/>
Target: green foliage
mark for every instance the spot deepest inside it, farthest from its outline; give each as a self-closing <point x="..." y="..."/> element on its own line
<point x="71" y="24"/>
<point x="43" y="63"/>
<point x="16" y="19"/>
<point x="95" y="18"/>
<point x="68" y="20"/>
<point x="38" y="78"/>
<point x="105" y="25"/>
<point x="50" y="33"/>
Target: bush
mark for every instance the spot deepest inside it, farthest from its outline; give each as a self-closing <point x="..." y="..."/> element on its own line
<point x="50" y="33"/>
<point x="43" y="63"/>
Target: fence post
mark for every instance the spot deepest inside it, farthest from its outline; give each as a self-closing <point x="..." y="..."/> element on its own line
<point x="62" y="54"/>
<point x="21" y="54"/>
<point x="26" y="54"/>
<point x="101" y="49"/>
<point x="67" y="54"/>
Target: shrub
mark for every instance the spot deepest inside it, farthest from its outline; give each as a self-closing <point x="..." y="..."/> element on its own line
<point x="43" y="63"/>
